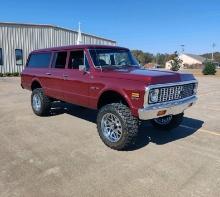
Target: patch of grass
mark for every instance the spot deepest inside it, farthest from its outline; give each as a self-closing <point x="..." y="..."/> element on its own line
<point x="198" y="72"/>
<point x="15" y="74"/>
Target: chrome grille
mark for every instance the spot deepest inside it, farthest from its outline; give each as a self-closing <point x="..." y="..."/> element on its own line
<point x="175" y="92"/>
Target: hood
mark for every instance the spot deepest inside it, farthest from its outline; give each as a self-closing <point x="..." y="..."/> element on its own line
<point x="149" y="76"/>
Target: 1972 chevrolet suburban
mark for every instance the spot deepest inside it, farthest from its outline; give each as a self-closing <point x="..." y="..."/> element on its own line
<point x="109" y="79"/>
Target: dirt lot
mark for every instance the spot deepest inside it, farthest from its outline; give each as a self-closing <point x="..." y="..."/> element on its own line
<point x="62" y="155"/>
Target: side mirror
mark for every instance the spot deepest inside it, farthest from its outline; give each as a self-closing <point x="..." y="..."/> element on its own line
<point x="82" y="68"/>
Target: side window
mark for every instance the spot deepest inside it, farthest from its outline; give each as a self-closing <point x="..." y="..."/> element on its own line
<point x="1" y="57"/>
<point x="19" y="57"/>
<point x="60" y="60"/>
<point x="76" y="59"/>
<point x="104" y="59"/>
<point x="39" y="60"/>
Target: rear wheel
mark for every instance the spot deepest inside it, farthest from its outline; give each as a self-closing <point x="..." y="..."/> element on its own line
<point x="167" y="122"/>
<point x="40" y="102"/>
<point x="116" y="126"/>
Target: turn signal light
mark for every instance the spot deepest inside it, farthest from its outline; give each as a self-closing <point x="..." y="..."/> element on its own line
<point x="135" y="95"/>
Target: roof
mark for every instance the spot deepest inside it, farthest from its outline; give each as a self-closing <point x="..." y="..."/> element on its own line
<point x="83" y="46"/>
<point x="50" y="26"/>
<point x="196" y="57"/>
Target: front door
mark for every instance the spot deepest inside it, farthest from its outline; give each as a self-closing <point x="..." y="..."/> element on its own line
<point x="76" y="82"/>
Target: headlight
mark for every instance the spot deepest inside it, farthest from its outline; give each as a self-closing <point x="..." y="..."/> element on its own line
<point x="153" y="95"/>
<point x="195" y="88"/>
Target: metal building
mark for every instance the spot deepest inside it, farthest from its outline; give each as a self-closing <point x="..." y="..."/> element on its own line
<point x="18" y="40"/>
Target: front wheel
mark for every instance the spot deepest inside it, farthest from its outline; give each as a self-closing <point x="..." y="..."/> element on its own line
<point x="167" y="122"/>
<point x="116" y="126"/>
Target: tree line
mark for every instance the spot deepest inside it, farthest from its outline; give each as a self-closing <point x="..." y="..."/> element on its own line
<point x="159" y="58"/>
<point x="162" y="58"/>
<point x="216" y="56"/>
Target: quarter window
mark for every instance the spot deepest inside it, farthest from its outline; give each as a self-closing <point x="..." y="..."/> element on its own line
<point x="60" y="60"/>
<point x="39" y="60"/>
<point x="19" y="56"/>
<point x="1" y="57"/>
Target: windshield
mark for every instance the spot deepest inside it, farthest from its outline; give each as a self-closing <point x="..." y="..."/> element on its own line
<point x="112" y="57"/>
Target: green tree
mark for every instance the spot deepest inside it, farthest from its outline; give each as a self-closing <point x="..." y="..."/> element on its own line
<point x="176" y="62"/>
<point x="161" y="59"/>
<point x="171" y="56"/>
<point x="142" y="57"/>
<point x="209" y="68"/>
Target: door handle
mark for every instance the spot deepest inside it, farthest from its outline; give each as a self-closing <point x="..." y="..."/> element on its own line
<point x="65" y="76"/>
<point x="48" y="73"/>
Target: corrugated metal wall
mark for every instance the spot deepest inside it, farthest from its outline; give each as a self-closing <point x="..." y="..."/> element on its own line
<point x="31" y="37"/>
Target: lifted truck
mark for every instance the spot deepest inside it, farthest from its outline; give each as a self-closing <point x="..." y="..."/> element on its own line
<point x="109" y="79"/>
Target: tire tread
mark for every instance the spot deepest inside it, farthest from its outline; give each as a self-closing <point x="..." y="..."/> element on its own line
<point x="46" y="103"/>
<point x="174" y="123"/>
<point x="131" y="125"/>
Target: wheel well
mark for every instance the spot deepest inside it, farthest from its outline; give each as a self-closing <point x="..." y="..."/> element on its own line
<point x="111" y="97"/>
<point x="35" y="85"/>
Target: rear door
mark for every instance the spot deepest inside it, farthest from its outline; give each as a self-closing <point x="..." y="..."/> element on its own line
<point x="57" y="75"/>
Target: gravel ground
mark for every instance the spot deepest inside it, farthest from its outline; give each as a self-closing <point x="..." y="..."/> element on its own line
<point x="62" y="155"/>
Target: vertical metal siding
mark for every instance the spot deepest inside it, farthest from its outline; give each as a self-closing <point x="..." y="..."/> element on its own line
<point x="29" y="38"/>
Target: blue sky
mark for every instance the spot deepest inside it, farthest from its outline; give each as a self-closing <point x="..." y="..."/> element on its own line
<point x="152" y="26"/>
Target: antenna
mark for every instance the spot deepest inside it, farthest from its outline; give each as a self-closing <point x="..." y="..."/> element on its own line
<point x="213" y="47"/>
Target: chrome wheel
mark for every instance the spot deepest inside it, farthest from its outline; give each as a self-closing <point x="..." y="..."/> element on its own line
<point x="163" y="120"/>
<point x="111" y="127"/>
<point x="36" y="102"/>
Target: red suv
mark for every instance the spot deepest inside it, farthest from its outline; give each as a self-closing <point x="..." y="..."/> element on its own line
<point x="109" y="79"/>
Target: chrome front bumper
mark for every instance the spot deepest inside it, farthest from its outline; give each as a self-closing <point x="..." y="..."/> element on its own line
<point x="172" y="108"/>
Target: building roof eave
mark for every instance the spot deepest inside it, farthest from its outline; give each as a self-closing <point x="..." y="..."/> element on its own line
<point x="54" y="27"/>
